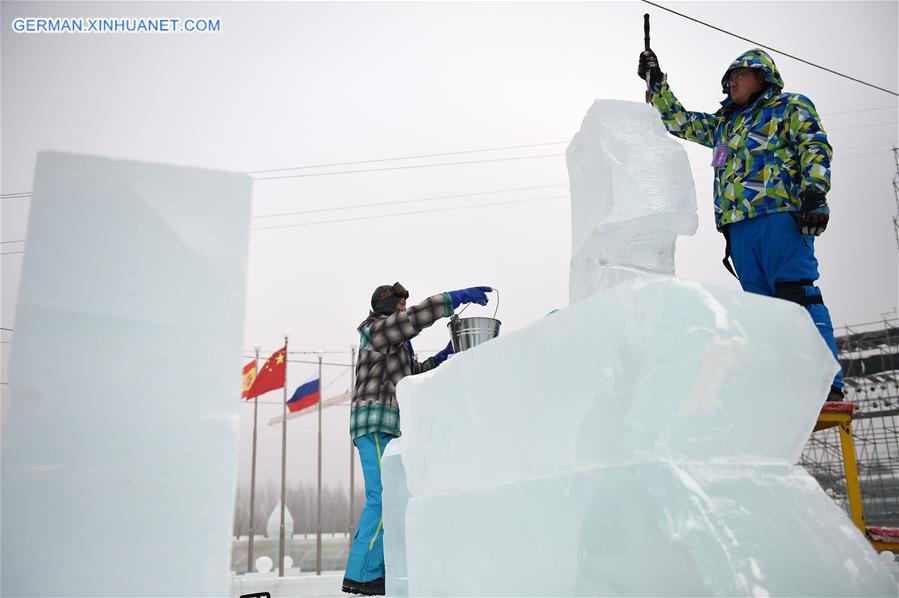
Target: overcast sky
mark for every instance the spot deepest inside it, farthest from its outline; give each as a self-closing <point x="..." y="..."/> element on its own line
<point x="297" y="84"/>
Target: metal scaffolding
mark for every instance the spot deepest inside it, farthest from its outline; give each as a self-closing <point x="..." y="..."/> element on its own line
<point x="869" y="354"/>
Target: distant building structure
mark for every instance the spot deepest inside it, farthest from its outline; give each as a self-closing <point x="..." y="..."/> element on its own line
<point x="869" y="354"/>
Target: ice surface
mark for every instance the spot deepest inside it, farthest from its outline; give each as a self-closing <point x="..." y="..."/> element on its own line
<point x="643" y="529"/>
<point x="119" y="456"/>
<point x="653" y="367"/>
<point x="640" y="442"/>
<point x="632" y="193"/>
<point x="394" y="499"/>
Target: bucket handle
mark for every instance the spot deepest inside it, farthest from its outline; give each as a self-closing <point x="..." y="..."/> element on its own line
<point x="495" y="311"/>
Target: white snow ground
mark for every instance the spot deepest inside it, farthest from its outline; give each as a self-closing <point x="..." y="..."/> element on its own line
<point x="308" y="585"/>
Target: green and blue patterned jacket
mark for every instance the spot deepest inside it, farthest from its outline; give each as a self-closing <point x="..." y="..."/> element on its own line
<point x="776" y="147"/>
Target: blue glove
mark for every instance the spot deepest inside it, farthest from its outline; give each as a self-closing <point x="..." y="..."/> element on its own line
<point x="471" y="295"/>
<point x="813" y="212"/>
<point x="441" y="357"/>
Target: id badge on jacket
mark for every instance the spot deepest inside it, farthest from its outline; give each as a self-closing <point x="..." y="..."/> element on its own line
<point x="719" y="159"/>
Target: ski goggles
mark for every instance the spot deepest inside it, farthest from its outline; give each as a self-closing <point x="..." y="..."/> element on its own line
<point x="396" y="289"/>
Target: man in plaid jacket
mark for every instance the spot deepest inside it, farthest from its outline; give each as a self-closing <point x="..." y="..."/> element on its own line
<point x="385" y="358"/>
<point x="771" y="160"/>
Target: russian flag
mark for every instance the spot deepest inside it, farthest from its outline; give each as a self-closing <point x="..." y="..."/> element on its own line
<point x="306" y="395"/>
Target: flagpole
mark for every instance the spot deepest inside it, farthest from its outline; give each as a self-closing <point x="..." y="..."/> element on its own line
<point x="250" y="564"/>
<point x="283" y="463"/>
<point x="351" y="524"/>
<point x="318" y="510"/>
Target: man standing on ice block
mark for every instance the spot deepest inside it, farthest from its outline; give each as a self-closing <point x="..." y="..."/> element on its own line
<point x="772" y="171"/>
<point x="385" y="358"/>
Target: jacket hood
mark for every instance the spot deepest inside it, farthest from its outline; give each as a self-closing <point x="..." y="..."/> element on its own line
<point x="371" y="319"/>
<point x="756" y="59"/>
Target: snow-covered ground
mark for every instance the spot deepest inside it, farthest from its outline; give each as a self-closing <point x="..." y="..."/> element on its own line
<point x="305" y="584"/>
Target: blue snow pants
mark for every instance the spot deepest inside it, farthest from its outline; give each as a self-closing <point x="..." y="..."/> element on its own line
<point x="773" y="258"/>
<point x="366" y="560"/>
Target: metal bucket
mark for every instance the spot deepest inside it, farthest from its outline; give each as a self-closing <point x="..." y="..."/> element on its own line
<point x="471" y="332"/>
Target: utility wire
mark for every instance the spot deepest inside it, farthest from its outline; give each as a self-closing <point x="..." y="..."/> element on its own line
<point x="26" y="194"/>
<point x="378" y="216"/>
<point x="345" y="365"/>
<point x="473" y="151"/>
<point x="11" y="252"/>
<point x="770" y="48"/>
<point x="394" y="214"/>
<point x="403" y="201"/>
<point x="855" y="147"/>
<point x="894" y="107"/>
<point x="892" y="122"/>
<point x="310" y="174"/>
<point x="331" y="383"/>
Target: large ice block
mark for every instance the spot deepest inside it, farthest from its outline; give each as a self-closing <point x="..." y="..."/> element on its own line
<point x="395" y="497"/>
<point x="119" y="460"/>
<point x="640" y="442"/>
<point x="645" y="529"/>
<point x="632" y="193"/>
<point x="655" y="366"/>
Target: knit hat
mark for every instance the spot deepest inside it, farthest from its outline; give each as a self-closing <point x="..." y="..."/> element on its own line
<point x="386" y="297"/>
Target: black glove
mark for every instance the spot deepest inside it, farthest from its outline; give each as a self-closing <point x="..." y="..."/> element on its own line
<point x="649" y="63"/>
<point x="813" y="212"/>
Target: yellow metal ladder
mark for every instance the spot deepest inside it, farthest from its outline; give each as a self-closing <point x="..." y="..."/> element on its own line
<point x="840" y="415"/>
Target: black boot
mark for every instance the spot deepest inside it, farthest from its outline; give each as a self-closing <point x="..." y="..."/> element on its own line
<point x="835" y="395"/>
<point x="375" y="587"/>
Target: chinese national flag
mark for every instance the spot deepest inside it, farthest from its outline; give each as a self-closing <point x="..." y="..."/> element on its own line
<point x="271" y="376"/>
<point x="249" y="374"/>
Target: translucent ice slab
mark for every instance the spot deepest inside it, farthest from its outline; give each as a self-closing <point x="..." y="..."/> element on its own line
<point x="653" y="367"/>
<point x="119" y="455"/>
<point x="632" y="193"/>
<point x="642" y="529"/>
<point x="394" y="500"/>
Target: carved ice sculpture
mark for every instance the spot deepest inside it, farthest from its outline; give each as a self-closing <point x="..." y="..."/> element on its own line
<point x="632" y="194"/>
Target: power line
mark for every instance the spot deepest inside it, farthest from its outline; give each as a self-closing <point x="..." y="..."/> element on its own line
<point x="402" y="201"/>
<point x="250" y="402"/>
<point x="892" y="122"/>
<point x="394" y="214"/>
<point x="310" y="174"/>
<point x="19" y="241"/>
<point x="840" y="159"/>
<point x="8" y="329"/>
<point x="345" y="365"/>
<point x="473" y="151"/>
<point x="770" y="48"/>
<point x="859" y="110"/>
<point x="11" y="252"/>
<point x="855" y="147"/>
<point x="331" y="383"/>
<point x="408" y="167"/>
<point x="378" y="216"/>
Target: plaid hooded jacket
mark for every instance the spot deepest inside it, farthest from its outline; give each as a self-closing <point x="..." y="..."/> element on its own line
<point x="776" y="147"/>
<point x="385" y="358"/>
